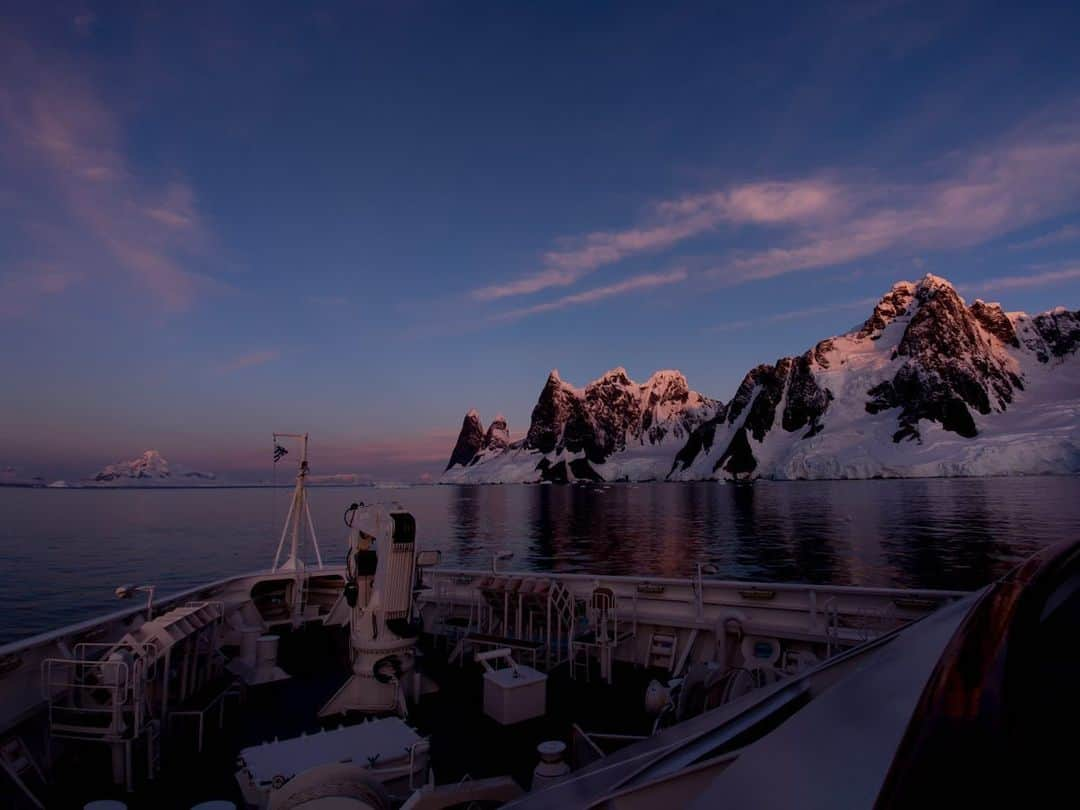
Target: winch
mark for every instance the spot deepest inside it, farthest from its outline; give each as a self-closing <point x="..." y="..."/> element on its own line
<point x="380" y="571"/>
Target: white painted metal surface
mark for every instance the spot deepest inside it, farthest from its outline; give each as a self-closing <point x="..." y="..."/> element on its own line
<point x="514" y="694"/>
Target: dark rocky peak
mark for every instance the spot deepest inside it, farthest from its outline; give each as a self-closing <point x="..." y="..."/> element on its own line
<point x="806" y="400"/>
<point x="770" y="384"/>
<point x="667" y="386"/>
<point x="941" y="322"/>
<point x="613" y="412"/>
<point x="498" y="435"/>
<point x="617" y="376"/>
<point x="993" y="320"/>
<point x="930" y="285"/>
<point x="820" y="353"/>
<point x="950" y="366"/>
<point x="744" y="394"/>
<point x="470" y="441"/>
<point x="554" y="380"/>
<point x="764" y="387"/>
<point x="791" y="381"/>
<point x="892" y="305"/>
<point x="1060" y="331"/>
<point x="614" y="407"/>
<point x="557" y="405"/>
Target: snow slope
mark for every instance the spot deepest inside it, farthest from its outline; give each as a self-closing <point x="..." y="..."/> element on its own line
<point x="927" y="386"/>
<point x="149" y="469"/>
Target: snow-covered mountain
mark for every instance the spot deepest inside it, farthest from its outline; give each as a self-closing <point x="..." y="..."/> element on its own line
<point x="613" y="428"/>
<point x="927" y="386"/>
<point x="149" y="469"/>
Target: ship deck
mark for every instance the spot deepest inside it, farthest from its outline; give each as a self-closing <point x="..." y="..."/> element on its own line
<point x="464" y="741"/>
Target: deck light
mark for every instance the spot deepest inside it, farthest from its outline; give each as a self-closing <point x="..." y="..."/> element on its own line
<point x="128" y="591"/>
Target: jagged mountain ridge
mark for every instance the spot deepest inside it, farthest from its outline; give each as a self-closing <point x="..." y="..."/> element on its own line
<point x="474" y="444"/>
<point x="574" y="432"/>
<point x="926" y="386"/>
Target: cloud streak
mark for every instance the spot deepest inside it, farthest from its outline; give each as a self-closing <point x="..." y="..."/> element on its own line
<point x="67" y="148"/>
<point x="642" y="282"/>
<point x="21" y="288"/>
<point x="792" y="315"/>
<point x="249" y="360"/>
<point x="989" y="194"/>
<point x="1031" y="175"/>
<point x="1019" y="282"/>
<point x="1067" y="233"/>
<point x="673" y="221"/>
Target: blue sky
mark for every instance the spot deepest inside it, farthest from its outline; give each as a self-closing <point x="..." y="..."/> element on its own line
<point x="362" y="219"/>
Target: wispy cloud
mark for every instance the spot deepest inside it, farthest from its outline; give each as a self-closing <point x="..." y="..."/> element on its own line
<point x="65" y="145"/>
<point x="248" y="360"/>
<point x="21" y="287"/>
<point x="1028" y="176"/>
<point x="792" y="315"/>
<point x="642" y="282"/>
<point x="671" y="222"/>
<point x="988" y="194"/>
<point x="1043" y="279"/>
<point x="1066" y="233"/>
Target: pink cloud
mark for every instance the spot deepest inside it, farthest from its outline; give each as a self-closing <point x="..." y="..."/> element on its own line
<point x="762" y="203"/>
<point x="642" y="282"/>
<point x="1043" y="279"/>
<point x="64" y="142"/>
<point x="1066" y="233"/>
<point x="987" y="195"/>
<point x="1031" y="175"/>
<point x="250" y="359"/>
<point x="19" y="289"/>
<point x="676" y="220"/>
<point x="792" y="315"/>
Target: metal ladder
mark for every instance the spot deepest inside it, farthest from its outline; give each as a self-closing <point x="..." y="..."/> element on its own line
<point x="662" y="648"/>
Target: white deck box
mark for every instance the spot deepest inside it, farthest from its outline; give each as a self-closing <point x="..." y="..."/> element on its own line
<point x="512" y="695"/>
<point x="385" y="746"/>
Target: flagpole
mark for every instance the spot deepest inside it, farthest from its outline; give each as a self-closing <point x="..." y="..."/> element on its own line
<point x="298" y="507"/>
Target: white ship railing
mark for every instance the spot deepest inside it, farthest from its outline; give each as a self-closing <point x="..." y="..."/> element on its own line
<point x="835" y="616"/>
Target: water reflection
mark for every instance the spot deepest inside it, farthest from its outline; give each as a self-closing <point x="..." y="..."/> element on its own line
<point x="931" y="533"/>
<point x="67" y="550"/>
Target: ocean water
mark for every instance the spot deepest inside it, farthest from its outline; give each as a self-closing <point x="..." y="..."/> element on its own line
<point x="65" y="551"/>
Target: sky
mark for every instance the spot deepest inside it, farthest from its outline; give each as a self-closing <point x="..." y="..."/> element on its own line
<point x="218" y="220"/>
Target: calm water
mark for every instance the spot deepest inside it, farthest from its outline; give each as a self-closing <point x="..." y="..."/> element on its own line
<point x="65" y="551"/>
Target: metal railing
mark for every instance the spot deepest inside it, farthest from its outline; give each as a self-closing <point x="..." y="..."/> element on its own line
<point x="92" y="699"/>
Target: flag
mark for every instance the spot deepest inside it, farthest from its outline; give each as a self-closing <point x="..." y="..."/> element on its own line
<point x="279" y="451"/>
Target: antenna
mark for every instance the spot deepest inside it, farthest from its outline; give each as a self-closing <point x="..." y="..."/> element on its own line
<point x="298" y="511"/>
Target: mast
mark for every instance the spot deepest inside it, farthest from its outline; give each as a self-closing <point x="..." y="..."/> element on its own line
<point x="299" y="511"/>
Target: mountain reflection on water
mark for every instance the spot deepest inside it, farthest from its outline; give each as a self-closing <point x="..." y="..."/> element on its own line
<point x="925" y="533"/>
<point x="65" y="551"/>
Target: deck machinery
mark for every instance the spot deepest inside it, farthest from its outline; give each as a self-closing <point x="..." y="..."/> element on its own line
<point x="380" y="571"/>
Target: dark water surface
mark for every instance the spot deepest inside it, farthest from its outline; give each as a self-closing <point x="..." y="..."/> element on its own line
<point x="64" y="551"/>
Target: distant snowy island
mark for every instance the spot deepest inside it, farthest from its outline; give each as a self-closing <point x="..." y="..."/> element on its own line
<point x="152" y="470"/>
<point x="927" y="386"/>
